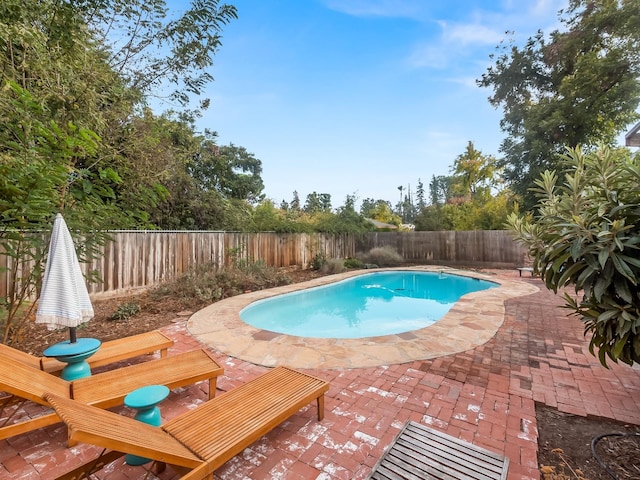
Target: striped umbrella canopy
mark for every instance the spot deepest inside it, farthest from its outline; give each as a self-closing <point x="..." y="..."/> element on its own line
<point x="64" y="300"/>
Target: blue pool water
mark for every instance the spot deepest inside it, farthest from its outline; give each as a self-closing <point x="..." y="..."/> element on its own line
<point x="380" y="303"/>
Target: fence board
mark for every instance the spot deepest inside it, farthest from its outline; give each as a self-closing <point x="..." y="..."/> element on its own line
<point x="139" y="259"/>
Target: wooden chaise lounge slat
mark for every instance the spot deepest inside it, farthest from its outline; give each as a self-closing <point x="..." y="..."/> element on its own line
<point x="199" y="441"/>
<point x="117" y="432"/>
<point x="106" y="389"/>
<point x="109" y="352"/>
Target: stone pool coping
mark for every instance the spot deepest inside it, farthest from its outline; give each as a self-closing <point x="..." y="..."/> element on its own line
<point x="471" y="322"/>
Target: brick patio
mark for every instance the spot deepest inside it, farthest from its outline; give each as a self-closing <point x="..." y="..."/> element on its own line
<point x="485" y="396"/>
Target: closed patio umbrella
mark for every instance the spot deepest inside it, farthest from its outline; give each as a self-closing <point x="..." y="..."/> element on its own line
<point x="64" y="302"/>
<point x="64" y="299"/>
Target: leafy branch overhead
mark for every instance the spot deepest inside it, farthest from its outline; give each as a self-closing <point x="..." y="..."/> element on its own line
<point x="586" y="235"/>
<point x="151" y="47"/>
<point x="578" y="85"/>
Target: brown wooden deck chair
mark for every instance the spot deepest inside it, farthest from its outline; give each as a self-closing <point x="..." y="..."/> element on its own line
<point x="109" y="352"/>
<point x="104" y="390"/>
<point x="199" y="441"/>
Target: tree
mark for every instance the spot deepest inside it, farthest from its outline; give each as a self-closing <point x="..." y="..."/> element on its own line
<point x="93" y="63"/>
<point x="587" y="235"/>
<point x="400" y="203"/>
<point x="467" y="199"/>
<point x="266" y="217"/>
<point x="475" y="174"/>
<point x="434" y="218"/>
<point x="440" y="189"/>
<point x="420" y="196"/>
<point x="150" y="51"/>
<point x="318" y="202"/>
<point x="43" y="172"/>
<point x="366" y="206"/>
<point x="230" y="170"/>
<point x="379" y="210"/>
<point x="295" y="202"/>
<point x="345" y="220"/>
<point x="407" y="207"/>
<point x="575" y="87"/>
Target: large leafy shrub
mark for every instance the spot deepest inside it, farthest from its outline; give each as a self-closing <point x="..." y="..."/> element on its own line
<point x="587" y="235"/>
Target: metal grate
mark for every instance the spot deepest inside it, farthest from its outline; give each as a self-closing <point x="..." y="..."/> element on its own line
<point x="420" y="453"/>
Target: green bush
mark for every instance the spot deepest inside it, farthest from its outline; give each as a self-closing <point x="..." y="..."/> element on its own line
<point x="353" y="263"/>
<point x="586" y="234"/>
<point x="319" y="259"/>
<point x="125" y="311"/>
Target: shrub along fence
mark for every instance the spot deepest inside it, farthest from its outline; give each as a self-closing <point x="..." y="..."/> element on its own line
<point x="140" y="259"/>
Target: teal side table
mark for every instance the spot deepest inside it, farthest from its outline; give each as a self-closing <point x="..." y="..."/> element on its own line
<point x="74" y="354"/>
<point x="145" y="400"/>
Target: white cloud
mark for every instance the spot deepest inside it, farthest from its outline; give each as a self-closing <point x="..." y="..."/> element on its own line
<point x="469" y="82"/>
<point x="470" y="34"/>
<point x="428" y="56"/>
<point x="543" y="8"/>
<point x="458" y="41"/>
<point x="380" y="8"/>
<point x="455" y="42"/>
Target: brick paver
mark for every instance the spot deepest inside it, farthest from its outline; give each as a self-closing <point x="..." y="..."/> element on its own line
<point x="485" y="396"/>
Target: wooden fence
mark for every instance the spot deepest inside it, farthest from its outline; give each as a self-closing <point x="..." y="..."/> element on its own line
<point x="140" y="259"/>
<point x="477" y="248"/>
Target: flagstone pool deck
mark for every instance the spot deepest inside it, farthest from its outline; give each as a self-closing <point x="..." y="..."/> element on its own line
<point x="483" y="393"/>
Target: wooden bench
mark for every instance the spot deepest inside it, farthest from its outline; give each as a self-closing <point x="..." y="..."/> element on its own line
<point x="525" y="269"/>
<point x="120" y="349"/>
<point x="201" y="440"/>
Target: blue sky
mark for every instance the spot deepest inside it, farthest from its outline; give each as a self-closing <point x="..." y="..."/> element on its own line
<point x="359" y="97"/>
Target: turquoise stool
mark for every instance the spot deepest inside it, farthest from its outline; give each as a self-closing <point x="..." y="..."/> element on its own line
<point x="74" y="354"/>
<point x="145" y="400"/>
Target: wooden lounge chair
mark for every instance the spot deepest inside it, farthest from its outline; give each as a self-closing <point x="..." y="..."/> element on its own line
<point x="199" y="441"/>
<point x="107" y="389"/>
<point x="109" y="352"/>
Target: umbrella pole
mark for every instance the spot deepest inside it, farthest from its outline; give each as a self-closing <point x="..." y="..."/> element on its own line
<point x="72" y="334"/>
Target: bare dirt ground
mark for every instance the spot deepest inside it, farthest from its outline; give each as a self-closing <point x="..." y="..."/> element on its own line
<point x="564" y="440"/>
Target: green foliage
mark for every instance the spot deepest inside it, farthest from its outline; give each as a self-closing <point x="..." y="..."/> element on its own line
<point x="475" y="174"/>
<point x="160" y="50"/>
<point x="318" y="260"/>
<point x="353" y="263"/>
<point x="587" y="235"/>
<point x="469" y="199"/>
<point x="440" y="189"/>
<point x="345" y="221"/>
<point x="379" y="210"/>
<point x="480" y="214"/>
<point x="318" y="203"/>
<point x="420" y="196"/>
<point x="125" y="311"/>
<point x="229" y="170"/>
<point x="579" y="86"/>
<point x="267" y="218"/>
<point x="385" y="256"/>
<point x="434" y="218"/>
<point x="42" y="173"/>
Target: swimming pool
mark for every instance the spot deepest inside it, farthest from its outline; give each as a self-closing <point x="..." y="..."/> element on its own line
<point x="370" y="305"/>
<point x="472" y="321"/>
